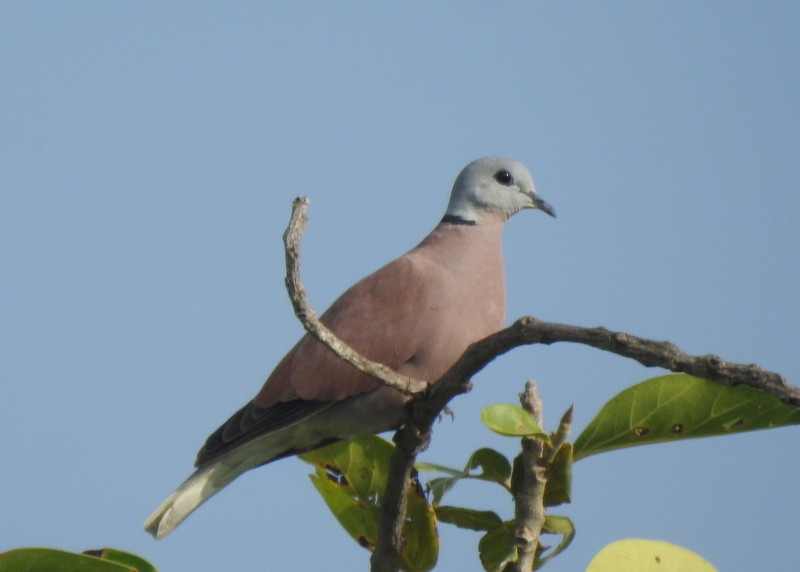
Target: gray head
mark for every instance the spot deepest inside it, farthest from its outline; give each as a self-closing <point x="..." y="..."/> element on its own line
<point x="494" y="185"/>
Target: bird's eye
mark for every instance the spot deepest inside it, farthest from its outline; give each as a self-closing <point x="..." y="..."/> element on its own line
<point x="504" y="178"/>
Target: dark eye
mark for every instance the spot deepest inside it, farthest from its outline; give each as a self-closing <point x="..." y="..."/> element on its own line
<point x="504" y="178"/>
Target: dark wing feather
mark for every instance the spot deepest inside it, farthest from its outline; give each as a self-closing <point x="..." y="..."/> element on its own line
<point x="251" y="421"/>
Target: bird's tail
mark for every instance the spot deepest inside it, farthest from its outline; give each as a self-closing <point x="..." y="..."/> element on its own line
<point x="198" y="488"/>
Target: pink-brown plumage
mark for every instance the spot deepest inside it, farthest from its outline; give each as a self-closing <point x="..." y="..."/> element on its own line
<point x="417" y="315"/>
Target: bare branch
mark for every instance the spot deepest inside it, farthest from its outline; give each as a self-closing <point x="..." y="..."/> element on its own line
<point x="650" y="353"/>
<point x="391" y="516"/>
<point x="530" y="472"/>
<point x="312" y="324"/>
<point x="429" y="399"/>
<point x="525" y="331"/>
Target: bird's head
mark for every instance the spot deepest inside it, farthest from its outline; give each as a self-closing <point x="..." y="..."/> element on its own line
<point x="494" y="185"/>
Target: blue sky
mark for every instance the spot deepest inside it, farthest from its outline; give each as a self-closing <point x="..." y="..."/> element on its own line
<point x="149" y="153"/>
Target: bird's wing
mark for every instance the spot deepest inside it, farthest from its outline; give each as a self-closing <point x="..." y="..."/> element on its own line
<point x="381" y="316"/>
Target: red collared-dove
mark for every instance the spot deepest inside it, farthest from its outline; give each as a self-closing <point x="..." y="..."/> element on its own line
<point x="417" y="315"/>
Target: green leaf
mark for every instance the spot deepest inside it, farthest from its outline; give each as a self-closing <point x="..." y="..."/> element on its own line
<point x="351" y="477"/>
<point x="495" y="467"/>
<point x="434" y="468"/>
<point x="50" y="560"/>
<point x="556" y="524"/>
<point x="358" y="517"/>
<point x="496" y="548"/>
<point x="363" y="461"/>
<point x="440" y="486"/>
<point x="635" y="555"/>
<point x="468" y="518"/>
<point x="512" y="420"/>
<point x="558" y="489"/>
<point x="421" y="548"/>
<point x="122" y="557"/>
<point x="680" y="406"/>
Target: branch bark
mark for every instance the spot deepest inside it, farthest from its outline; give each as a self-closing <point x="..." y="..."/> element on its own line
<point x="528" y="487"/>
<point x="532" y="470"/>
<point x="430" y="398"/>
<point x="309" y="319"/>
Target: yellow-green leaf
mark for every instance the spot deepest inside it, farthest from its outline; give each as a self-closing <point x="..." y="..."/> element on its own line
<point x="512" y="420"/>
<point x="421" y="549"/>
<point x="357" y="516"/>
<point x="351" y="477"/>
<point x="638" y="555"/>
<point x="364" y="462"/>
<point x="680" y="406"/>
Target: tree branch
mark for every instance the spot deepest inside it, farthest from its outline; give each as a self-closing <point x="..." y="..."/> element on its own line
<point x="650" y="353"/>
<point x="525" y="331"/>
<point x="312" y="324"/>
<point x="429" y="399"/>
<point x="531" y="472"/>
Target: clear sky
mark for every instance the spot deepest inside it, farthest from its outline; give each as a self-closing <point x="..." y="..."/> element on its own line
<point x="149" y="153"/>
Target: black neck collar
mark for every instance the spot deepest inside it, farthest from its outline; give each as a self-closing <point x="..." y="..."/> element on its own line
<point x="453" y="219"/>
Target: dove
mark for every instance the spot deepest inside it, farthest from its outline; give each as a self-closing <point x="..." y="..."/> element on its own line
<point x="416" y="315"/>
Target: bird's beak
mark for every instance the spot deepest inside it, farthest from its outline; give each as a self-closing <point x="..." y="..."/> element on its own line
<point x="543" y="205"/>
